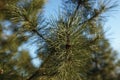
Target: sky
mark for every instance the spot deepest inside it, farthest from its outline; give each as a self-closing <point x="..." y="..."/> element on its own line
<point x="112" y="23"/>
<point x="114" y="37"/>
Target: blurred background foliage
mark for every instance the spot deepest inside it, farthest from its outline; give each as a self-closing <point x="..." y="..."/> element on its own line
<point x="71" y="47"/>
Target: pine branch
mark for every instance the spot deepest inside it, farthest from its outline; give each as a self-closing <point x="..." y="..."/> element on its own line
<point x="40" y="35"/>
<point x="75" y="12"/>
<point x="41" y="71"/>
<point x="67" y="34"/>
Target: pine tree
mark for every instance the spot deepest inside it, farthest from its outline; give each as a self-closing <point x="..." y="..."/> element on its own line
<point x="103" y="65"/>
<point x="65" y="43"/>
<point x="15" y="64"/>
<point x="104" y="57"/>
<point x="73" y="37"/>
<point x="3" y="4"/>
<point x="9" y="52"/>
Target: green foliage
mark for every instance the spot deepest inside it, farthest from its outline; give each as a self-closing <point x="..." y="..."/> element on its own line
<point x="16" y="64"/>
<point x="3" y="8"/>
<point x="73" y="47"/>
<point x="102" y="66"/>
